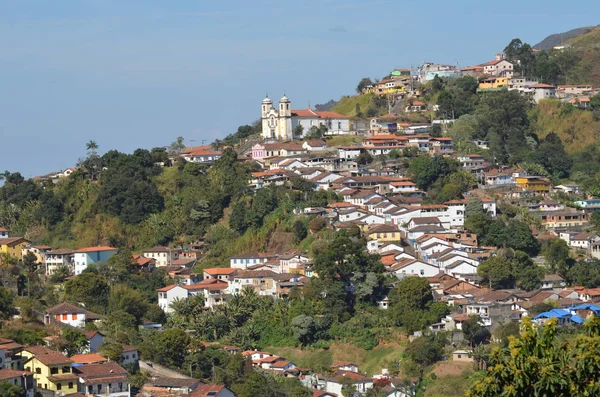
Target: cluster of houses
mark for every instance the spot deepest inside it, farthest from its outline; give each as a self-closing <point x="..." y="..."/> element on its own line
<point x="266" y="274"/>
<point x="39" y="369"/>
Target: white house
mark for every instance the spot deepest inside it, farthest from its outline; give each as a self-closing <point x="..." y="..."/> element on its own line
<point x="336" y="382"/>
<point x="89" y="255"/>
<point x="57" y="259"/>
<point x="314" y="145"/>
<point x="413" y="267"/>
<point x="337" y="124"/>
<point x="69" y="314"/>
<point x="164" y="256"/>
<point x="403" y="187"/>
<point x="244" y="261"/>
<point x="169" y="294"/>
<point x="107" y="379"/>
<point x="349" y="152"/>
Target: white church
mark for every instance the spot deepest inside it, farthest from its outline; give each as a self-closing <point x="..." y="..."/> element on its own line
<point x="280" y="123"/>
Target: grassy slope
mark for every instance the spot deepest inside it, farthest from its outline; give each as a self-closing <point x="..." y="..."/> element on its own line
<point x="368" y="361"/>
<point x="347" y="105"/>
<point x="577" y="130"/>
<point x="587" y="40"/>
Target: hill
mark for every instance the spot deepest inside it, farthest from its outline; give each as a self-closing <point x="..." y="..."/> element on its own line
<point x="558" y="38"/>
<point x="586" y="40"/>
<point x="347" y="104"/>
<point x="577" y="129"/>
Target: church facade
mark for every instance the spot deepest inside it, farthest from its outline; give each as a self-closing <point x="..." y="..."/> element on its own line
<point x="279" y="123"/>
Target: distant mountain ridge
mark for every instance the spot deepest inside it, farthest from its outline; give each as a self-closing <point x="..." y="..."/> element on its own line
<point x="558" y="38"/>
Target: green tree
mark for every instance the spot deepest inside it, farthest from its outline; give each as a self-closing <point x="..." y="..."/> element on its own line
<point x="71" y="341"/>
<point x="129" y="300"/>
<point x="425" y="351"/>
<point x="364" y="158"/>
<point x="557" y="254"/>
<point x="537" y="364"/>
<point x="362" y="84"/>
<point x="303" y="328"/>
<point x="6" y="303"/>
<point x="474" y="331"/>
<point x="237" y="219"/>
<point x="178" y="145"/>
<point x="497" y="272"/>
<point x="7" y="389"/>
<point x="90" y="289"/>
<point x="585" y="272"/>
<point x="300" y="230"/>
<point x="299" y="130"/>
<point x="595" y="102"/>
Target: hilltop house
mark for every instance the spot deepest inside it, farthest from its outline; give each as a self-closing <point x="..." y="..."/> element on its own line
<point x="69" y="314"/>
<point x="89" y="255"/>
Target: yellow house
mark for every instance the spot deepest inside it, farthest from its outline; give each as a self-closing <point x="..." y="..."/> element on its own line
<point x="384" y="233"/>
<point x="51" y="370"/>
<point x="493" y="82"/>
<point x="13" y="246"/>
<point x="534" y="184"/>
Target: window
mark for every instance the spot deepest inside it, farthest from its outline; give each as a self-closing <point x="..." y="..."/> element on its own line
<point x="38" y="370"/>
<point x="74" y="316"/>
<point x="70" y="385"/>
<point x="58" y="386"/>
<point x="65" y="316"/>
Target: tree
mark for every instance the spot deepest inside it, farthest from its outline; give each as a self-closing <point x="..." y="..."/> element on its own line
<point x="497" y="272"/>
<point x="557" y="254"/>
<point x="474" y="331"/>
<point x="177" y="145"/>
<point x="364" y="158"/>
<point x="299" y="130"/>
<point x="519" y="237"/>
<point x="362" y="84"/>
<point x="342" y="258"/>
<point x="237" y="219"/>
<point x="129" y="300"/>
<point x="537" y="365"/>
<point x="71" y="341"/>
<point x="595" y="102"/>
<point x="425" y="351"/>
<point x="427" y="170"/>
<point x="585" y="272"/>
<point x="90" y="289"/>
<point x="6" y="303"/>
<point x="170" y="347"/>
<point x="300" y="230"/>
<point x="303" y="328"/>
<point x="7" y="389"/>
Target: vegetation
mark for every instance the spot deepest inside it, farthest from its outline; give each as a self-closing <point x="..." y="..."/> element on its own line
<point x="539" y="364"/>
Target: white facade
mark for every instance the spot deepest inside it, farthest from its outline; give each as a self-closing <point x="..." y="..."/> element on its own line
<point x="164" y="256"/>
<point x="168" y="295"/>
<point x="277" y="123"/>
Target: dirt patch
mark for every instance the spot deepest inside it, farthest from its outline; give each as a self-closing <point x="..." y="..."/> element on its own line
<point x="280" y="242"/>
<point x="452" y="368"/>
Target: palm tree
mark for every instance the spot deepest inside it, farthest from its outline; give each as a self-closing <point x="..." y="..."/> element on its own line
<point x="91" y="146"/>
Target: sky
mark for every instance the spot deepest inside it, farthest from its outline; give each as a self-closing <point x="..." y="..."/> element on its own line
<point x="139" y="73"/>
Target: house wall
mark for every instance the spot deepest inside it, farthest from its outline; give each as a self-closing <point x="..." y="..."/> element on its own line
<point x="73" y="319"/>
<point x="41" y="378"/>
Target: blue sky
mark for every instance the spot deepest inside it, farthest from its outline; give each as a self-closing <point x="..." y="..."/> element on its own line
<point x="139" y="73"/>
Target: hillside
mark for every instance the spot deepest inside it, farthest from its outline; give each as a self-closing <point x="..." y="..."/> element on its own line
<point x="577" y="129"/>
<point x="347" y="104"/>
<point x="558" y="38"/>
<point x="589" y="38"/>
